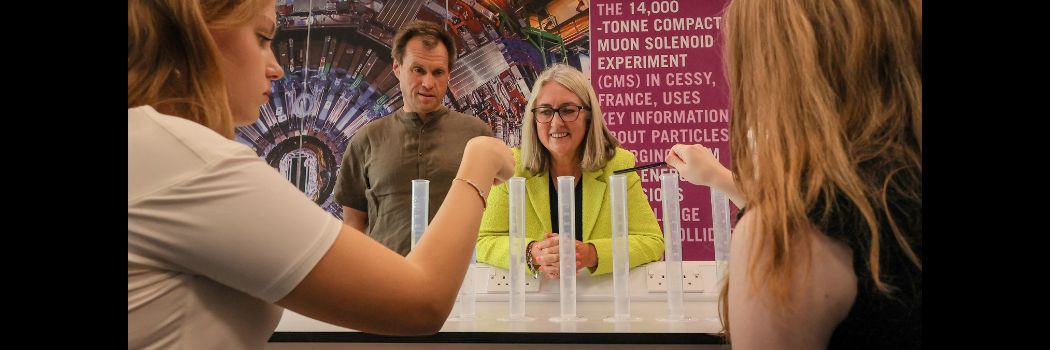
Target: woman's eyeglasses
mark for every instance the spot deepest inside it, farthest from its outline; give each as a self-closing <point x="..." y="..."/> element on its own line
<point x="568" y="113"/>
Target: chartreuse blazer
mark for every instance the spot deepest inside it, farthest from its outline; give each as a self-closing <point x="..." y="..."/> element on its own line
<point x="645" y="240"/>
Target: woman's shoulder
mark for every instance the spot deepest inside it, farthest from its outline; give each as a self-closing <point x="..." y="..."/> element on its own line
<point x="165" y="136"/>
<point x="519" y="168"/>
<point x="623" y="159"/>
<point x="823" y="284"/>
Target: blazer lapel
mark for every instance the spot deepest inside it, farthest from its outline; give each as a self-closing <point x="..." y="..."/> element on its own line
<point x="594" y="187"/>
<point x="539" y="200"/>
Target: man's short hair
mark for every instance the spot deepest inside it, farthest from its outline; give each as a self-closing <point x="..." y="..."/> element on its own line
<point x="430" y="33"/>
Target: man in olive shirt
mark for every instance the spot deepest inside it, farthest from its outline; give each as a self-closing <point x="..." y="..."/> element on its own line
<point x="422" y="140"/>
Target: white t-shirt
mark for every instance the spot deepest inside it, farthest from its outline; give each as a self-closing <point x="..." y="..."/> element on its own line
<point x="215" y="237"/>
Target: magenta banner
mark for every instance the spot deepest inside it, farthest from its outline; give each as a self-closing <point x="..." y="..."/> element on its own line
<point x="657" y="69"/>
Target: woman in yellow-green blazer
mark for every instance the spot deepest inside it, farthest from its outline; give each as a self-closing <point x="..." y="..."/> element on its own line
<point x="564" y="134"/>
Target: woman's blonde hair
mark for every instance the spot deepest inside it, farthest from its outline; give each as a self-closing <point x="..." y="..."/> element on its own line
<point x="173" y="62"/>
<point x="599" y="144"/>
<point x="832" y="92"/>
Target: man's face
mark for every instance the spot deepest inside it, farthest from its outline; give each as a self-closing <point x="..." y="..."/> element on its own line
<point x="423" y="75"/>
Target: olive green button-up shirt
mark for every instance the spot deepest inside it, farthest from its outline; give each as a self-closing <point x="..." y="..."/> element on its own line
<point x="385" y="156"/>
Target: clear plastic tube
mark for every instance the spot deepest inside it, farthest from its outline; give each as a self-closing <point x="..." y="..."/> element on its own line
<point x="621" y="258"/>
<point x="420" y="213"/>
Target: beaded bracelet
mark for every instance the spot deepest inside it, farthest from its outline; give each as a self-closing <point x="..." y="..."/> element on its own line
<point x="529" y="260"/>
<point x="484" y="202"/>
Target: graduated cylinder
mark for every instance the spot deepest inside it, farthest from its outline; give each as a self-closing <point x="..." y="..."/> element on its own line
<point x="672" y="246"/>
<point x="420" y="209"/>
